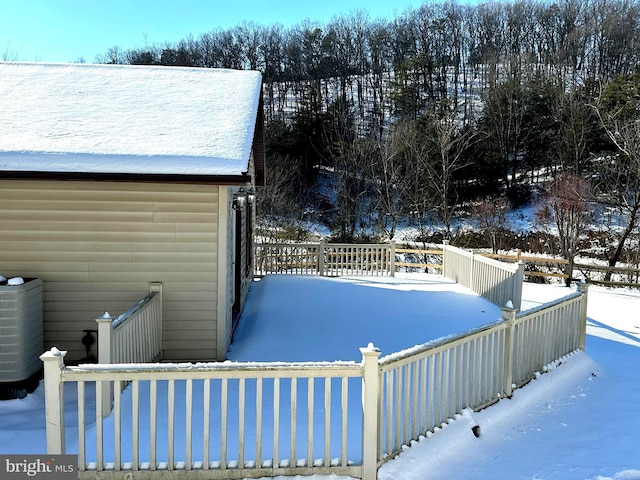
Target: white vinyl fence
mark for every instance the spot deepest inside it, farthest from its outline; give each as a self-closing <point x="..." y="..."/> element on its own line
<point x="235" y="420"/>
<point x="325" y="259"/>
<point x="214" y="420"/>
<point x="135" y="336"/>
<point x="427" y="385"/>
<point x="498" y="282"/>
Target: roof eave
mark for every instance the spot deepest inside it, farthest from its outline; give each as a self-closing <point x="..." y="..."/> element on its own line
<point x="241" y="179"/>
<point x="259" y="153"/>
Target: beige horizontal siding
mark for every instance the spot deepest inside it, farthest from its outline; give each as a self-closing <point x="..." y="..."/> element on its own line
<point x="118" y="247"/>
<point x="97" y="245"/>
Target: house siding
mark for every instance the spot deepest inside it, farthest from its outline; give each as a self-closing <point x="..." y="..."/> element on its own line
<point x="225" y="271"/>
<point x="97" y="245"/>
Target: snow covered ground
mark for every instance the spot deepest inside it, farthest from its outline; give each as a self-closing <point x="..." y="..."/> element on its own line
<point x="579" y="421"/>
<point x="322" y="318"/>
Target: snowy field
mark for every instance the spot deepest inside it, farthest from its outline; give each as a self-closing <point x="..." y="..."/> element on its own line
<point x="579" y="421"/>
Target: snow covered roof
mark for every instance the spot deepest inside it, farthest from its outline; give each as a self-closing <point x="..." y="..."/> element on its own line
<point x="113" y="120"/>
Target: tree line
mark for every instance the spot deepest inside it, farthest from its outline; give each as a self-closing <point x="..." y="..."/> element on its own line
<point x="372" y="122"/>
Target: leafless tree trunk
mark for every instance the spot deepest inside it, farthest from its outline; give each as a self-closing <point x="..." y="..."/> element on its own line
<point x="491" y="214"/>
<point x="567" y="209"/>
<point x="450" y="140"/>
<point x="620" y="175"/>
<point x="279" y="205"/>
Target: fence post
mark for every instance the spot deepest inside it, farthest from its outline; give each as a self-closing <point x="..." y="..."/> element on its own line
<point x="508" y="316"/>
<point x="157" y="287"/>
<point x="583" y="288"/>
<point x="518" y="279"/>
<point x="370" y="393"/>
<point x="472" y="282"/>
<point x="53" y="361"/>
<point x="392" y="258"/>
<point x="445" y="243"/>
<point x="105" y="335"/>
<point x="321" y="257"/>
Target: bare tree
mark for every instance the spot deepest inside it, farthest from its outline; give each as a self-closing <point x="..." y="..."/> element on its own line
<point x="619" y="113"/>
<point x="280" y="206"/>
<point x="505" y="115"/>
<point x="491" y="213"/>
<point x="577" y="124"/>
<point x="449" y="140"/>
<point x="416" y="199"/>
<point x="8" y="54"/>
<point x="387" y="179"/>
<point x="566" y="210"/>
<point x="113" y="56"/>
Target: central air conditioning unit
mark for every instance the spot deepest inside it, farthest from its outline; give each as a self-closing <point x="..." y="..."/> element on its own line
<point x="21" y="329"/>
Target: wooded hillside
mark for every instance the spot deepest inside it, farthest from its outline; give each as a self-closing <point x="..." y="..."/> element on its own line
<point x="370" y="122"/>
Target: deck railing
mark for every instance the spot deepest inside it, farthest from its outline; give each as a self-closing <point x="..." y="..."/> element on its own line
<point x="498" y="282"/>
<point x="218" y="420"/>
<point x="324" y="259"/>
<point x="428" y="385"/>
<point x="235" y="420"/>
<point x="135" y="336"/>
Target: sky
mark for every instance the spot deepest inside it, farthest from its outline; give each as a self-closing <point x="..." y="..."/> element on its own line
<point x="70" y="30"/>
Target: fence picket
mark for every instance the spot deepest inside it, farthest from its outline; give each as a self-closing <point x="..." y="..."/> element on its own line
<point x="153" y="423"/>
<point x="414" y="401"/>
<point x="344" y="424"/>
<point x="293" y="410"/>
<point x="389" y="409"/>
<point x="423" y="396"/>
<point x="171" y="408"/>
<point x="223" y="424"/>
<point x="117" y="429"/>
<point x="99" y="436"/>
<point x="327" y="421"/>
<point x="276" y="422"/>
<point x="135" y="427"/>
<point x="241" y="418"/>
<point x="206" y="423"/>
<point x="310" y="410"/>
<point x="82" y="441"/>
<point x="258" y="455"/>
<point x="188" y="413"/>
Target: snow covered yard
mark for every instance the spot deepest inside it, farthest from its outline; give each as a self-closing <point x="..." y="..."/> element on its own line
<point x="299" y="318"/>
<point x="579" y="421"/>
